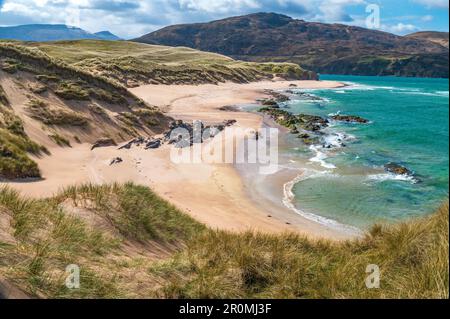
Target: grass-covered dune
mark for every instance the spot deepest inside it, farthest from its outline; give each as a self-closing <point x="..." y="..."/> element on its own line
<point x="129" y="243"/>
<point x="135" y="64"/>
<point x="61" y="104"/>
<point x="15" y="145"/>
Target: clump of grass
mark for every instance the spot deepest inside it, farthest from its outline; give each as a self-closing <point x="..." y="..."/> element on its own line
<point x="136" y="211"/>
<point x="47" y="240"/>
<point x="413" y="259"/>
<point x="38" y="88"/>
<point x="42" y="111"/>
<point x="47" y="78"/>
<point x="149" y="117"/>
<point x="70" y="90"/>
<point x="98" y="110"/>
<point x="60" y="140"/>
<point x="14" y="146"/>
<point x="109" y="97"/>
<point x="10" y="66"/>
<point x="3" y="98"/>
<point x="129" y="119"/>
<point x="15" y="163"/>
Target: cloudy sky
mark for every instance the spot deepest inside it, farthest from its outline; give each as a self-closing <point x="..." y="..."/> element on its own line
<point x="131" y="18"/>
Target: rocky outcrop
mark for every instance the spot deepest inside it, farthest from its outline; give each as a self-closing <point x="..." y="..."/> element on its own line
<point x="104" y="142"/>
<point x="153" y="144"/>
<point x="398" y="169"/>
<point x="183" y="134"/>
<point x="350" y="119"/>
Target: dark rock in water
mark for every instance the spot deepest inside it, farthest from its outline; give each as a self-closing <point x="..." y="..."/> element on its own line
<point x="350" y="119"/>
<point x="304" y="135"/>
<point x="279" y="97"/>
<point x="153" y="144"/>
<point x="105" y="142"/>
<point x="270" y="103"/>
<point x="305" y="118"/>
<point x="397" y="169"/>
<point x="116" y="160"/>
<point x="307" y="122"/>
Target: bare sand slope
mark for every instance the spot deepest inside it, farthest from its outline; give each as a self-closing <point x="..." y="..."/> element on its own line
<point x="212" y="193"/>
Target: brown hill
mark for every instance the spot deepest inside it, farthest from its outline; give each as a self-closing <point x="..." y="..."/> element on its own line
<point x="324" y="48"/>
<point x="433" y="36"/>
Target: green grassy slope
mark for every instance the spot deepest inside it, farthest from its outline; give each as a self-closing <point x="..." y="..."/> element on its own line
<point x="134" y="63"/>
<point x="129" y="243"/>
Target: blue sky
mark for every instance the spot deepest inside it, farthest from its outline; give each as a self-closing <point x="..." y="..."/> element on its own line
<point x="131" y="18"/>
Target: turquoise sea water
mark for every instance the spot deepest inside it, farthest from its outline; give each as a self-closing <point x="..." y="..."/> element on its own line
<point x="409" y="125"/>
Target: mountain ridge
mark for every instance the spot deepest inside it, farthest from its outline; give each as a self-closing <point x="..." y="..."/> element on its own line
<point x="51" y="32"/>
<point x="319" y="47"/>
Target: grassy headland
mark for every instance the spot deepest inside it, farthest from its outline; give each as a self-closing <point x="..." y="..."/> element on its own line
<point x="130" y="243"/>
<point x="135" y="64"/>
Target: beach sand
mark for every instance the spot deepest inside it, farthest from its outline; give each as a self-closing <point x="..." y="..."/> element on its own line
<point x="214" y="194"/>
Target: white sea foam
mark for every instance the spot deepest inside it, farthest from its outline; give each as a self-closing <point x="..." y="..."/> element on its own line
<point x="334" y="114"/>
<point x="320" y="157"/>
<point x="392" y="177"/>
<point x="289" y="197"/>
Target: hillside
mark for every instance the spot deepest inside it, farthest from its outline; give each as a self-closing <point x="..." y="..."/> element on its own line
<point x="134" y="64"/>
<point x="51" y="32"/>
<point x="129" y="243"/>
<point x="433" y="36"/>
<point x="323" y="48"/>
<point x="45" y="103"/>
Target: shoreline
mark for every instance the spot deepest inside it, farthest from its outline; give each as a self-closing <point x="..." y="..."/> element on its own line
<point x="217" y="194"/>
<point x="272" y="206"/>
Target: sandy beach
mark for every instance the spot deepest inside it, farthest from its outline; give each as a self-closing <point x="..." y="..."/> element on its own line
<point x="214" y="194"/>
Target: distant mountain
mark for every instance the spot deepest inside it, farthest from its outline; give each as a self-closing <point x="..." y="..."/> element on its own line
<point x="433" y="36"/>
<point x="51" y="32"/>
<point x="106" y="35"/>
<point x="324" y="48"/>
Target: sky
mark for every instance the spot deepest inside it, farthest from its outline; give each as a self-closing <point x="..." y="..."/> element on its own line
<point x="133" y="18"/>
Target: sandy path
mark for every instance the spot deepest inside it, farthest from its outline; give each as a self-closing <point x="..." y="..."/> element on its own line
<point x="212" y="193"/>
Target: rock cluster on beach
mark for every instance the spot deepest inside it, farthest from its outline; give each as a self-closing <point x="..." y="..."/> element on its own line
<point x="180" y="134"/>
<point x="104" y="142"/>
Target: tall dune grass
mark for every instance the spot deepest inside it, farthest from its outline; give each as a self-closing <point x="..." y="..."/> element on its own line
<point x="150" y="249"/>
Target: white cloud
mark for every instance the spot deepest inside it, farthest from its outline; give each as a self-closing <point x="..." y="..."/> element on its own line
<point x="400" y="28"/>
<point x="434" y="3"/>
<point x="427" y="18"/>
